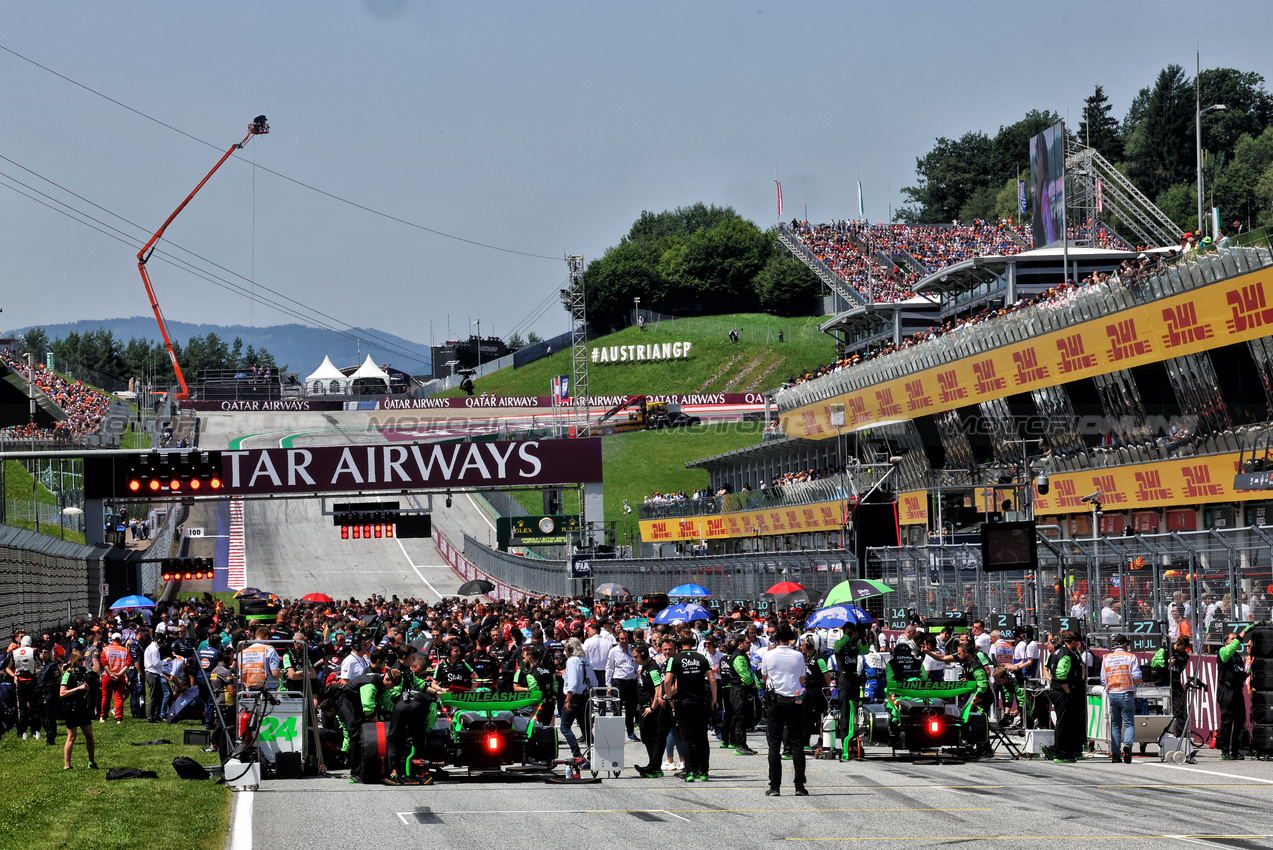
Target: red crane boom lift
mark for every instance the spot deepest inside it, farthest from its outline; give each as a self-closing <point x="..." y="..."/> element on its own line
<point x="258" y="127"/>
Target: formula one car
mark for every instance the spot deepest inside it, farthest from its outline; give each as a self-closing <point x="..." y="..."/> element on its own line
<point x="482" y="731"/>
<point x="924" y="717"/>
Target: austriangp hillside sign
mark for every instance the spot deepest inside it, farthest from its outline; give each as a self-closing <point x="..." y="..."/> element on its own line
<point x="398" y="466"/>
<point x="651" y="353"/>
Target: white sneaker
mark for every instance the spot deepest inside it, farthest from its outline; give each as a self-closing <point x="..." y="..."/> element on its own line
<point x="37" y="735"/>
<point x="669" y="766"/>
<point x="25" y="735"/>
<point x="680" y="765"/>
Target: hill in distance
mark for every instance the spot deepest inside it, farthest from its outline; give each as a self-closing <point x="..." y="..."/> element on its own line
<point x="757" y="362"/>
<point x="300" y="348"/>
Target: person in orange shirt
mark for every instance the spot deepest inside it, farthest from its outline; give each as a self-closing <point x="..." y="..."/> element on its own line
<point x="116" y="659"/>
<point x="1121" y="676"/>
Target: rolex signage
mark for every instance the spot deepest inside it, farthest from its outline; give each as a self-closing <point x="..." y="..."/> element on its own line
<point x="548" y="530"/>
<point x="653" y="353"/>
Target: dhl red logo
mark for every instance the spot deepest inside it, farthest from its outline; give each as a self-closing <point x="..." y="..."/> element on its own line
<point x="1183" y="327"/>
<point x="761" y="524"/>
<point x="915" y="507"/>
<point x="948" y="388"/>
<point x="1112" y="495"/>
<point x="857" y="410"/>
<point x="1250" y="308"/>
<point x="1067" y="495"/>
<point x="887" y="406"/>
<point x="810" y="518"/>
<point x="1028" y="368"/>
<point x="659" y="531"/>
<point x="986" y="379"/>
<point x="735" y="527"/>
<point x="1198" y="482"/>
<point x="775" y="520"/>
<point x="828" y="517"/>
<point x="1149" y="487"/>
<point x="1073" y="357"/>
<point x="809" y="419"/>
<point x="793" y="521"/>
<point x="1124" y="341"/>
<point x="716" y="528"/>
<point x="916" y="398"/>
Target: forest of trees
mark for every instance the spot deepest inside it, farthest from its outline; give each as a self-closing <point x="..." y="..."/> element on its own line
<point x="99" y="351"/>
<point x="697" y="259"/>
<point x="975" y="176"/>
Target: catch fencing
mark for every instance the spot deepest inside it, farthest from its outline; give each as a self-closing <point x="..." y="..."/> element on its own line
<point x="741" y="579"/>
<point x="1218" y="577"/>
<point x="45" y="582"/>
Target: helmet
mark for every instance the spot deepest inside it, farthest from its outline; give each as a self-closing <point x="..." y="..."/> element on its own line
<point x="814" y="640"/>
<point x="834" y="635"/>
<point x="902" y="650"/>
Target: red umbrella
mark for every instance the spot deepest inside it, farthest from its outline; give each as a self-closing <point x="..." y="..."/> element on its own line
<point x="784" y="587"/>
<point x="317" y="597"/>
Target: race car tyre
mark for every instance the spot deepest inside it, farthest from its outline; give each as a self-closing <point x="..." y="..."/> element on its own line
<point x="375" y="754"/>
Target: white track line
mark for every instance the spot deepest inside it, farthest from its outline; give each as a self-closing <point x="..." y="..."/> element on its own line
<point x="416" y="569"/>
<point x="481" y="512"/>
<point x="1212" y="772"/>
<point x="241" y="833"/>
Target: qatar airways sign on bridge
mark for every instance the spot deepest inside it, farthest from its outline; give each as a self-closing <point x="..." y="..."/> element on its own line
<point x="414" y="466"/>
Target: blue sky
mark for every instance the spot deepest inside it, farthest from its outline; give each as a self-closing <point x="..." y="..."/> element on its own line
<point x="542" y="128"/>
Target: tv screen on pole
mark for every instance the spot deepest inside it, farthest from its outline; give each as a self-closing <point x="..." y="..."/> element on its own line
<point x="1047" y="173"/>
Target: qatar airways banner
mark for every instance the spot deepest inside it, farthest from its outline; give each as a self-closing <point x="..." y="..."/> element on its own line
<point x="342" y="469"/>
<point x="540" y="401"/>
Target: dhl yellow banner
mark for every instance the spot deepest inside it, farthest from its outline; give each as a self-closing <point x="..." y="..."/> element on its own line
<point x="822" y="516"/>
<point x="1235" y="310"/>
<point x="912" y="508"/>
<point x="1195" y="480"/>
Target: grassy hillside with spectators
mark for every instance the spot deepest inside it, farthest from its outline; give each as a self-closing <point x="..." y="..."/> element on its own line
<point x="757" y="362"/>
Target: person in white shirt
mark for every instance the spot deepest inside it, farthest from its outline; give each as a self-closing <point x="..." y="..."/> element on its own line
<point x="621" y="673"/>
<point x="783" y="671"/>
<point x="354" y="664"/>
<point x="153" y="664"/>
<point x="981" y="638"/>
<point x="596" y="647"/>
<point x="1079" y="609"/>
<point x="1109" y="616"/>
<point x="934" y="666"/>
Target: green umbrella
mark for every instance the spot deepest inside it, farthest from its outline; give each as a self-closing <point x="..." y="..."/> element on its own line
<point x="636" y="623"/>
<point x="851" y="590"/>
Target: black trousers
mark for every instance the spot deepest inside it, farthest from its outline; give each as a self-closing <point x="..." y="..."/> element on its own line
<point x="814" y="709"/>
<point x="351" y="715"/>
<point x="48" y="714"/>
<point x="727" y="715"/>
<point x="1232" y="706"/>
<point x="1069" y="739"/>
<point x="742" y="698"/>
<point x="628" y="696"/>
<point x="654" y="729"/>
<point x="1179" y="708"/>
<point x="28" y="705"/>
<point x="785" y="718"/>
<point x="691" y="722"/>
<point x="407" y="723"/>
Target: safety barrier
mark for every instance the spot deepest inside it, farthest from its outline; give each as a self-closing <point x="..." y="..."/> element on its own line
<point x="45" y="582"/>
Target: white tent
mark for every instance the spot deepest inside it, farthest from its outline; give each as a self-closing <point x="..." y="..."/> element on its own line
<point x="369" y="373"/>
<point x="327" y="380"/>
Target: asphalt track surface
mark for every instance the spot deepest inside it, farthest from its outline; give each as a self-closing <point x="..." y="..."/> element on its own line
<point x="878" y="802"/>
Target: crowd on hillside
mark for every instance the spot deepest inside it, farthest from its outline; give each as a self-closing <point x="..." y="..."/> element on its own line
<point x="85" y="407"/>
<point x="853" y="250"/>
<point x="1129" y="273"/>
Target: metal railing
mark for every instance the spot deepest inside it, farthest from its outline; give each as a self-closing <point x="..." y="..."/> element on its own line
<point x="1218" y="576"/>
<point x="1247" y="253"/>
<point x="833" y="488"/>
<point x="730" y="578"/>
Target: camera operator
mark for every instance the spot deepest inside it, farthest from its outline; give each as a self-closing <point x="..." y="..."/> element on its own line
<point x="1231" y="672"/>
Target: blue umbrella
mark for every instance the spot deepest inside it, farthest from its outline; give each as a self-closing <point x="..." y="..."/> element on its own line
<point x="132" y="602"/>
<point x="836" y="616"/>
<point x="181" y="703"/>
<point x="686" y="612"/>
<point x="689" y="590"/>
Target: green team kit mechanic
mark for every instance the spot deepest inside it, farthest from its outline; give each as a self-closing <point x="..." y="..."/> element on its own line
<point x="412" y="715"/>
<point x="849" y="651"/>
<point x="454" y="673"/>
<point x="1168" y="669"/>
<point x="817" y="678"/>
<point x="741" y="684"/>
<point x="1230" y="700"/>
<point x="652" y="711"/>
<point x="693" y="687"/>
<point x="1066" y="690"/>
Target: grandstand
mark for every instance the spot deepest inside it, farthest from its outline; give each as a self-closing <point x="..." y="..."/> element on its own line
<point x="66" y="411"/>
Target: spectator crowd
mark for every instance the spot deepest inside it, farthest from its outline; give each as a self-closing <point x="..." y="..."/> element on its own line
<point x="85" y="407"/>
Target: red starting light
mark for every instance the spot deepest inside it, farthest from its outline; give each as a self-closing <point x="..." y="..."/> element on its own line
<point x="189" y="576"/>
<point x="379" y="529"/>
<point x="167" y="576"/>
<point x="389" y="530"/>
<point x="357" y="532"/>
<point x="492" y="743"/>
<point x="134" y="485"/>
<point x="215" y="483"/>
<point x="175" y="484"/>
<point x="195" y="484"/>
<point x="344" y="532"/>
<point x="154" y="484"/>
<point x="366" y="531"/>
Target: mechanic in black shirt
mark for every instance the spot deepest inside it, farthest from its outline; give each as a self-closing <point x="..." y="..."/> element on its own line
<point x="652" y="711"/>
<point x="693" y="689"/>
<point x="485" y="665"/>
<point x="454" y="674"/>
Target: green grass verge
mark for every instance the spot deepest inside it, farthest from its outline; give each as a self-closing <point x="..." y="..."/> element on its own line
<point x="714" y="361"/>
<point x="46" y="808"/>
